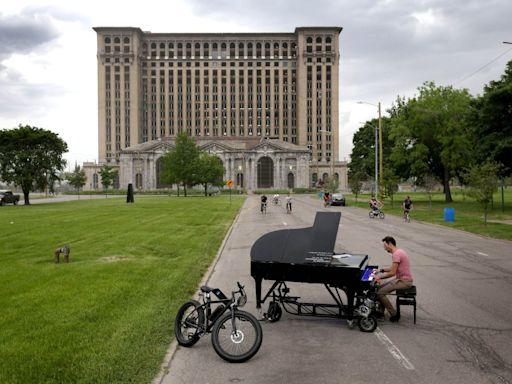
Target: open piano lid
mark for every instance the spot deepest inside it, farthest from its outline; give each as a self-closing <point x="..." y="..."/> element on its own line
<point x="313" y="245"/>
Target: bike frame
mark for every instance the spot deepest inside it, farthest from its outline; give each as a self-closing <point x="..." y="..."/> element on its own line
<point x="206" y="306"/>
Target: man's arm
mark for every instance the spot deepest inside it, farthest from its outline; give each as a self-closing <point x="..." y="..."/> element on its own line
<point x="389" y="271"/>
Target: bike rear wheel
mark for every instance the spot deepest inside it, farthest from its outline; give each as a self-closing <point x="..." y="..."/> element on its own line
<point x="239" y="343"/>
<point x="188" y="322"/>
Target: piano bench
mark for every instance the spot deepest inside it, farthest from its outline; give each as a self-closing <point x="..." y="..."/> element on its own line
<point x="406" y="297"/>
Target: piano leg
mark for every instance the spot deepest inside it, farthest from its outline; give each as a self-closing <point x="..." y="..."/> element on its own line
<point x="258" y="280"/>
<point x="350" y="303"/>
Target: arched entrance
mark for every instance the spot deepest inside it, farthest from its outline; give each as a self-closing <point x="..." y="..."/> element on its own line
<point x="240" y="180"/>
<point x="291" y="180"/>
<point x="265" y="173"/>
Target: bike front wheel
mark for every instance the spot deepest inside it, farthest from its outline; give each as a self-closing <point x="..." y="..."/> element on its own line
<point x="188" y="323"/>
<point x="237" y="340"/>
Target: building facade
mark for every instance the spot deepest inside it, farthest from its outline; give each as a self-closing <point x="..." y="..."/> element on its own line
<point x="282" y="87"/>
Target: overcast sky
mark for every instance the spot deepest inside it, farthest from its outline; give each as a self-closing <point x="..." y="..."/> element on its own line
<point x="48" y="69"/>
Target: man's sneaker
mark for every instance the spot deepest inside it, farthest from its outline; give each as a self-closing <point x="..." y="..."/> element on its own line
<point x="394" y="318"/>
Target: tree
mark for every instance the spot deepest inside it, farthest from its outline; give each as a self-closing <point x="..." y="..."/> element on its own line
<point x="180" y="165"/>
<point x="431" y="134"/>
<point x="108" y="175"/>
<point x="427" y="181"/>
<point x="77" y="178"/>
<point x="31" y="157"/>
<point x="362" y="157"/>
<point x="363" y="152"/>
<point x="356" y="184"/>
<point x="483" y="181"/>
<point x="390" y="183"/>
<point x="209" y="171"/>
<point x="493" y="122"/>
<point x="332" y="184"/>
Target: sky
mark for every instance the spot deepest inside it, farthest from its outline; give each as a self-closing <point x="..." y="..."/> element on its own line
<point x="388" y="48"/>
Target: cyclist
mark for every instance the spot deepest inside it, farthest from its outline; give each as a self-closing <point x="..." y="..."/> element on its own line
<point x="375" y="204"/>
<point x="263" y="203"/>
<point x="288" y="204"/>
<point x="407" y="206"/>
<point x="327" y="199"/>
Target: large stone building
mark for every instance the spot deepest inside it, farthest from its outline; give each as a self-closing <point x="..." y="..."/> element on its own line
<point x="263" y="100"/>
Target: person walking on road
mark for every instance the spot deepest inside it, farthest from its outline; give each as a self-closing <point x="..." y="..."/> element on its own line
<point x="400" y="271"/>
<point x="263" y="207"/>
<point x="407" y="207"/>
<point x="288" y="204"/>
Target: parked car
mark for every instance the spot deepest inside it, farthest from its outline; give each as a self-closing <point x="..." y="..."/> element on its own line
<point x="7" y="197"/>
<point x="338" y="199"/>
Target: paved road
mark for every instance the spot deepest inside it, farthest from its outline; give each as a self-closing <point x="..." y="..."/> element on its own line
<point x="464" y="328"/>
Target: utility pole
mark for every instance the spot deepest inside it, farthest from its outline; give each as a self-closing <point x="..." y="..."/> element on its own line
<point x="381" y="174"/>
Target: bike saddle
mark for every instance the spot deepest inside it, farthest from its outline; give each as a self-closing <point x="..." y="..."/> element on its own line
<point x="206" y="289"/>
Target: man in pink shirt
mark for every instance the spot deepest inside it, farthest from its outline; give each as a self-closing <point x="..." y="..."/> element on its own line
<point x="400" y="269"/>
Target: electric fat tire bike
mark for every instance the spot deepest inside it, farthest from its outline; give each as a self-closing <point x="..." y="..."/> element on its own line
<point x="236" y="334"/>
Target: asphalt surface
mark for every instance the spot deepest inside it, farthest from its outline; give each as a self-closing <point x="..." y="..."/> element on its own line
<point x="464" y="327"/>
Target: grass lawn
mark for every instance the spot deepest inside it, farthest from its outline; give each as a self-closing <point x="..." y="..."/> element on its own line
<point x="107" y="316"/>
<point x="469" y="215"/>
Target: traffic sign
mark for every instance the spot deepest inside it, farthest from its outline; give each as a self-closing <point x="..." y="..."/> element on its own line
<point x="229" y="183"/>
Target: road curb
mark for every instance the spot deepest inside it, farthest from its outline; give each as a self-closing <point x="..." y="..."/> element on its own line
<point x="164" y="368"/>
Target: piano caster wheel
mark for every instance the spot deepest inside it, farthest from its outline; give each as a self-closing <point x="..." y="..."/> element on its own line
<point x="367" y="324"/>
<point x="274" y="312"/>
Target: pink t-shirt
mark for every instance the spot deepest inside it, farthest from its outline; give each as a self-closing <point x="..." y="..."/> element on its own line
<point x="404" y="267"/>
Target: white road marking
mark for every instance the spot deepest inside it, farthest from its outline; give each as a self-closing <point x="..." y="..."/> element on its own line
<point x="483" y="254"/>
<point x="393" y="349"/>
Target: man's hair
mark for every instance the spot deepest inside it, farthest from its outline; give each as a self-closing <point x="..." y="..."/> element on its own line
<point x="389" y="240"/>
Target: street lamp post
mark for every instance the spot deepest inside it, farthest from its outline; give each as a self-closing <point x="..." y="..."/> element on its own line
<point x="378" y="148"/>
<point x="378" y="152"/>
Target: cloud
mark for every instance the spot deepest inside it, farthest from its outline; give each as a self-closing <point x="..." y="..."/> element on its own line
<point x="24" y="38"/>
<point x="25" y="33"/>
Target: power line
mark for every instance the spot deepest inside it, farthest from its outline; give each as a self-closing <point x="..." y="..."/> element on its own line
<point x="482" y="67"/>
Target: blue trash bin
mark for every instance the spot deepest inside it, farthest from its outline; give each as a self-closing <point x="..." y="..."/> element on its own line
<point x="449" y="215"/>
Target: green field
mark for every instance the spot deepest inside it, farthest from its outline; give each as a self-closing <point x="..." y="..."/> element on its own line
<point x="107" y="316"/>
<point x="469" y="215"/>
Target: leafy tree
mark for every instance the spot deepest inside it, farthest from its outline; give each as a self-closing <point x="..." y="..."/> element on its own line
<point x="209" y="171"/>
<point x="355" y="184"/>
<point x="431" y="134"/>
<point x="77" y="178"/>
<point x="180" y="165"/>
<point x="362" y="157"/>
<point x="493" y="122"/>
<point x="332" y="184"/>
<point x="108" y="175"/>
<point x="363" y="152"/>
<point x="483" y="180"/>
<point x="31" y="157"/>
<point x="427" y="181"/>
<point x="390" y="183"/>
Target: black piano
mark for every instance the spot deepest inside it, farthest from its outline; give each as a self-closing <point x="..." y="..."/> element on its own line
<point x="306" y="255"/>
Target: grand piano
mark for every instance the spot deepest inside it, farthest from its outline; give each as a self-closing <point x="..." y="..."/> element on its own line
<point x="307" y="255"/>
